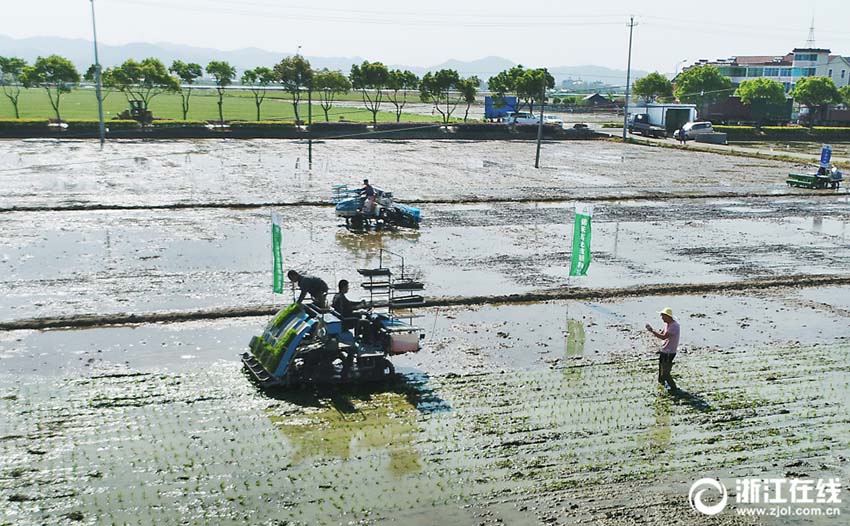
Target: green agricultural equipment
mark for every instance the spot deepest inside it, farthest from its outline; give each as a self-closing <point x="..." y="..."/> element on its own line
<point x="826" y="176"/>
<point x="832" y="179"/>
<point x="137" y="112"/>
<point x="306" y="344"/>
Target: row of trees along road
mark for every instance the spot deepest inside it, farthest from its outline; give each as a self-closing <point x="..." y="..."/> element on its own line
<point x="55" y="74"/>
<point x="704" y="85"/>
<point x="528" y="85"/>
<point x="146" y="79"/>
<point x="445" y="89"/>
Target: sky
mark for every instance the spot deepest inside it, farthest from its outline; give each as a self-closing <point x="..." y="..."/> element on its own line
<point x="532" y="32"/>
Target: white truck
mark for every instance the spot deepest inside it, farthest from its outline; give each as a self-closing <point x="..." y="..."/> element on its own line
<point x="669" y="117"/>
<point x="520" y="117"/>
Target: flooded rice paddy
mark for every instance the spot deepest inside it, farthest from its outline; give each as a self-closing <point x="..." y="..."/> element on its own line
<point x="48" y="173"/>
<point x="513" y="413"/>
<point x="107" y="262"/>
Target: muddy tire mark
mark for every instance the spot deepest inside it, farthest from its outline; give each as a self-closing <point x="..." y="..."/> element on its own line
<point x="465" y="200"/>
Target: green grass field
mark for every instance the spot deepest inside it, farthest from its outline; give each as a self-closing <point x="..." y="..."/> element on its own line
<point x="82" y="104"/>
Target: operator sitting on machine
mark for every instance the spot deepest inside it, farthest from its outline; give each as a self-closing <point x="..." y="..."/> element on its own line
<point x="369" y="193"/>
<point x="350" y="317"/>
<point x="345" y="307"/>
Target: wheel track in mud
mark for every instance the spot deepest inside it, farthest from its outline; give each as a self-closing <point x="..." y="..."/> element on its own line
<point x="95" y="320"/>
<point x="93" y="207"/>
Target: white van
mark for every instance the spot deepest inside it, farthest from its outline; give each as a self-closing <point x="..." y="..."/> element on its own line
<point x="692" y="129"/>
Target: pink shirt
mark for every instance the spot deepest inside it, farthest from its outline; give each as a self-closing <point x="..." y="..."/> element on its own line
<point x="671" y="337"/>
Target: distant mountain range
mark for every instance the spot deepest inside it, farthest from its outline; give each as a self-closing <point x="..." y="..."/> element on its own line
<point x="81" y="53"/>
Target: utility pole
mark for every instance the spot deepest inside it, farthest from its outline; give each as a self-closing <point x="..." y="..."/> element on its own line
<point x="97" y="80"/>
<point x="628" y="79"/>
<point x="310" y="124"/>
<point x="540" y="125"/>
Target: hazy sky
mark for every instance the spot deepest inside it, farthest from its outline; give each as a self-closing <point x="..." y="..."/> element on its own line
<point x="533" y="32"/>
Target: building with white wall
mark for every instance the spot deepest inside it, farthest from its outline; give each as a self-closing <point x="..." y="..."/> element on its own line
<point x="785" y="69"/>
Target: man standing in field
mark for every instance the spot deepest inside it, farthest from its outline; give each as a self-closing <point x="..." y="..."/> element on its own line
<point x="670" y="335"/>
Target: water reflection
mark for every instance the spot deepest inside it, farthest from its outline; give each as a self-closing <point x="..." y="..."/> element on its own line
<point x="574" y="348"/>
<point x="366" y="245"/>
<point x="659" y="435"/>
<point x="575" y="339"/>
<point x="616" y="238"/>
<point x="350" y="422"/>
<point x="347" y="427"/>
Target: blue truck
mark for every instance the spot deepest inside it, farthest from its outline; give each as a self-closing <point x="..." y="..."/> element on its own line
<point x="499" y="107"/>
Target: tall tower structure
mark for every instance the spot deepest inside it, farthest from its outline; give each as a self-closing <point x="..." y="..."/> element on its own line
<point x="810" y="42"/>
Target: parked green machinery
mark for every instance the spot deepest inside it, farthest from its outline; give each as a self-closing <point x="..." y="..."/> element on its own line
<point x="827" y="175"/>
<point x="821" y="179"/>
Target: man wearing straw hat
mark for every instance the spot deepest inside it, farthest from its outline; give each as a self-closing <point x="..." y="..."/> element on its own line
<point x="670" y="335"/>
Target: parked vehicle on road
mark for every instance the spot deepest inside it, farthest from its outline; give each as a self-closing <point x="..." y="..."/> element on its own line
<point x="690" y="130"/>
<point x="521" y="117"/>
<point x="553" y="119"/>
<point x="671" y="117"/>
<point x="499" y="107"/>
<point x="641" y="124"/>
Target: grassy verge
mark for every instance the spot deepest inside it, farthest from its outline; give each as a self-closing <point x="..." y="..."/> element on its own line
<point x="784" y="133"/>
<point x="82" y="104"/>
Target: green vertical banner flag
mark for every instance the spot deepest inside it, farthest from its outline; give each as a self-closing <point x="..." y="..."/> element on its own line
<point x="580" y="260"/>
<point x="276" y="253"/>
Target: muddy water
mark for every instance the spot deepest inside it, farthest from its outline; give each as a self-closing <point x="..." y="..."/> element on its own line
<point x="514" y="414"/>
<point x="557" y="445"/>
<point x="464" y="340"/>
<point x="61" y="173"/>
<point x="135" y="261"/>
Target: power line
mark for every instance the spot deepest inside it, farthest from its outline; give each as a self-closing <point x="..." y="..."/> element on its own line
<point x="324" y="11"/>
<point x="746" y="29"/>
<point x="452" y="15"/>
<point x="416" y="20"/>
<point x="751" y="32"/>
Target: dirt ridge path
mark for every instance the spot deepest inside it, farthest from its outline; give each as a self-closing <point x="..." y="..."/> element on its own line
<point x="562" y="293"/>
<point x="454" y="201"/>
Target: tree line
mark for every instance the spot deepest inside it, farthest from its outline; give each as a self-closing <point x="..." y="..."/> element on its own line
<point x="705" y="85"/>
<point x="378" y="85"/>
